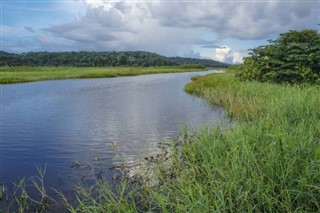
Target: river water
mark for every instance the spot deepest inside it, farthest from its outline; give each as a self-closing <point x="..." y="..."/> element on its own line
<point x="66" y="125"/>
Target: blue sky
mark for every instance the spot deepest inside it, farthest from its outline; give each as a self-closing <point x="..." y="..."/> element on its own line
<point x="220" y="30"/>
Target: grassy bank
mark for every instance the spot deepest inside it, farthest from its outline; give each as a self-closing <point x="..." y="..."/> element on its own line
<point x="29" y="74"/>
<point x="269" y="161"/>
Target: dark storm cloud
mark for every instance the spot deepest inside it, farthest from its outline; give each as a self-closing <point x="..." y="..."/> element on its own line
<point x="166" y="27"/>
<point x="242" y="20"/>
<point x="124" y="26"/>
<point x="75" y="32"/>
<point x="96" y="30"/>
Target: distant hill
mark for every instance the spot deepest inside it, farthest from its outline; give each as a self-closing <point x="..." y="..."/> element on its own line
<point x="99" y="59"/>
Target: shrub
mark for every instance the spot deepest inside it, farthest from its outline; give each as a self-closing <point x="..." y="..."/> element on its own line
<point x="294" y="57"/>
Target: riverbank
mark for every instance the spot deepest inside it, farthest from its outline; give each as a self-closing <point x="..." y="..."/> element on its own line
<point x="267" y="162"/>
<point x="28" y="74"/>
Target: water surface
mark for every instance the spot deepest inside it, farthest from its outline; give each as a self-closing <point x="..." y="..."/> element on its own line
<point x="56" y="123"/>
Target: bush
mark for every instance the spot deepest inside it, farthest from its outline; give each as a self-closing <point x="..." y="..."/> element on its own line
<point x="294" y="58"/>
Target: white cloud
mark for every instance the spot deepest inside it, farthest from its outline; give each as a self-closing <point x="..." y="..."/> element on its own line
<point x="158" y="24"/>
<point x="102" y="3"/>
<point x="237" y="58"/>
<point x="174" y="28"/>
<point x="97" y="3"/>
<point x="222" y="53"/>
<point x="124" y="26"/>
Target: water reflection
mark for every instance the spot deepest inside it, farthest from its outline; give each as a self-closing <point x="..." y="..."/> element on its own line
<point x="58" y="122"/>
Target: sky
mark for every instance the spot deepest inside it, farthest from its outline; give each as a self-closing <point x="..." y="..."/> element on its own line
<point x="222" y="30"/>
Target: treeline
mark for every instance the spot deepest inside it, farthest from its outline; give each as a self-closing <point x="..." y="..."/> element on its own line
<point x="294" y="57"/>
<point x="100" y="59"/>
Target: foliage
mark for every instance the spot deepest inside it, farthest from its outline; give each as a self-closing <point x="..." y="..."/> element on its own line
<point x="294" y="57"/>
<point x="191" y="66"/>
<point x="99" y="59"/>
<point x="203" y="62"/>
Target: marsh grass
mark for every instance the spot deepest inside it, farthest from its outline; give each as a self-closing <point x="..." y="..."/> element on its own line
<point x="268" y="161"/>
<point x="4" y="197"/>
<point x="20" y="199"/>
<point x="102" y="197"/>
<point x="29" y="74"/>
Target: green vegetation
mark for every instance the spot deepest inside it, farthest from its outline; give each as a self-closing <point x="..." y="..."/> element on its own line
<point x="99" y="59"/>
<point x="21" y="201"/>
<point x="267" y="161"/>
<point x="294" y="57"/>
<point x="191" y="66"/>
<point x="28" y="74"/>
<point x="203" y="62"/>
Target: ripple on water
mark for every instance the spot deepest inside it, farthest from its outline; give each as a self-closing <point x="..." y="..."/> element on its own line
<point x="93" y="121"/>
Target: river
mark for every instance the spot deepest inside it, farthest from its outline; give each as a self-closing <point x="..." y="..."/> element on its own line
<point x="66" y="125"/>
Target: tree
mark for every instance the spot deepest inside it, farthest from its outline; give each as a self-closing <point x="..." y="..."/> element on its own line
<point x="294" y="57"/>
<point x="99" y="59"/>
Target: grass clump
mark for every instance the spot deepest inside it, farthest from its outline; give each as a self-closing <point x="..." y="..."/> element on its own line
<point x="20" y="200"/>
<point x="100" y="198"/>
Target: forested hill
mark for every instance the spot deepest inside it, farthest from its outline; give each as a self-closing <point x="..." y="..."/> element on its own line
<point x="99" y="59"/>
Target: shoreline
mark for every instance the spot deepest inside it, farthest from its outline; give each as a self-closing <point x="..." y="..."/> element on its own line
<point x="12" y="75"/>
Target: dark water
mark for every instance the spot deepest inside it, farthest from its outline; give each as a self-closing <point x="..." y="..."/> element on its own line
<point x="56" y="123"/>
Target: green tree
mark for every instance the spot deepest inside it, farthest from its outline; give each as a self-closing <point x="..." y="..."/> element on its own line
<point x="294" y="57"/>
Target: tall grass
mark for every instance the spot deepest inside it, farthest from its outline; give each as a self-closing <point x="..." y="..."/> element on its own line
<point x="268" y="161"/>
<point x="20" y="199"/>
<point x="28" y="74"/>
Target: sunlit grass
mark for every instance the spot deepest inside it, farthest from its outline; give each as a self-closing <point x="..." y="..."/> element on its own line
<point x="28" y="74"/>
<point x="269" y="160"/>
